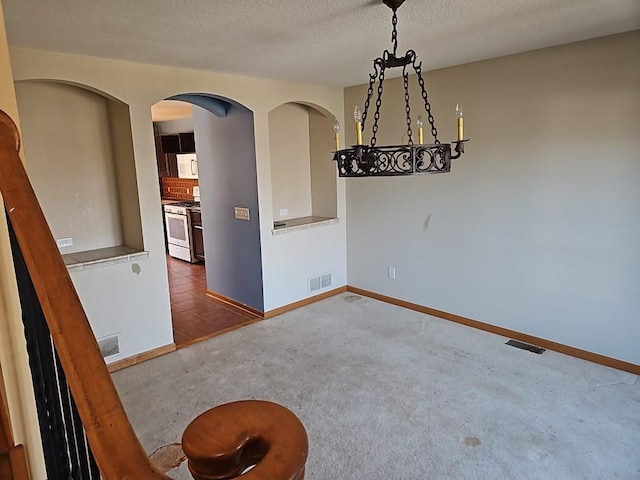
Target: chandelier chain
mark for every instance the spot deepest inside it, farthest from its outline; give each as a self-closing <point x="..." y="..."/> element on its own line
<point x="372" y="80"/>
<point x="394" y="32"/>
<point x="407" y="106"/>
<point x="376" y="115"/>
<point x="427" y="105"/>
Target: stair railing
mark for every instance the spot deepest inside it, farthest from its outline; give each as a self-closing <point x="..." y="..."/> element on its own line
<point x="13" y="463"/>
<point x="250" y="440"/>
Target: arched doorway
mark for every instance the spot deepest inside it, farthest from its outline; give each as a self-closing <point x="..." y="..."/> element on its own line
<point x="225" y="290"/>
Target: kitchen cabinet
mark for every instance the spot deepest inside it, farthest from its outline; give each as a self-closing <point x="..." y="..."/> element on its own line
<point x="167" y="162"/>
<point x="197" y="234"/>
<point x="167" y="147"/>
<point x="178" y="143"/>
<point x="170" y="143"/>
<point x="187" y="143"/>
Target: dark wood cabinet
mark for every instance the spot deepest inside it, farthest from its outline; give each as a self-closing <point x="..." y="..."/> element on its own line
<point x="170" y="143"/>
<point x="178" y="143"/>
<point x="167" y="147"/>
<point x="187" y="143"/>
<point x="167" y="162"/>
<point x="197" y="234"/>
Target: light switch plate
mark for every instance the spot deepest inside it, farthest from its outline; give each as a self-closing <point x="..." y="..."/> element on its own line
<point x="241" y="213"/>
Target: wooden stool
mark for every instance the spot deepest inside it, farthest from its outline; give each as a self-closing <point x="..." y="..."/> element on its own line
<point x="223" y="442"/>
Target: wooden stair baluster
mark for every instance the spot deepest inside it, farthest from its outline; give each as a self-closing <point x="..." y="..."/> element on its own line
<point x="218" y="443"/>
<point x="13" y="463"/>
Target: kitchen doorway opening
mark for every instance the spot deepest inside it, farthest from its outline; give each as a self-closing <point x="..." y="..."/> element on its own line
<point x="201" y="151"/>
<point x="195" y="315"/>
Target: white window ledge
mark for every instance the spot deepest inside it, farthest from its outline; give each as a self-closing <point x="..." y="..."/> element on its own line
<point x="302" y="223"/>
<point x="102" y="257"/>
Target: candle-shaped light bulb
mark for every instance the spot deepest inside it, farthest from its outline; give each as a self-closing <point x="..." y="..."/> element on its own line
<point x="460" y="122"/>
<point x="357" y="116"/>
<point x="336" y="131"/>
<point x="420" y="123"/>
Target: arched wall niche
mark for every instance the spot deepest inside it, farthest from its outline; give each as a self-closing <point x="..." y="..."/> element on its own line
<point x="303" y="176"/>
<point x="79" y="155"/>
<point x="83" y="86"/>
<point x="319" y="108"/>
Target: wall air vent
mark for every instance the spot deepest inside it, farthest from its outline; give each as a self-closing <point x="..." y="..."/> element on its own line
<point x="319" y="282"/>
<point x="109" y="346"/>
<point x="525" y="346"/>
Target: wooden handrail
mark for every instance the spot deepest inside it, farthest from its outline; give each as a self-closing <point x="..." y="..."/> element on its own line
<point x="116" y="448"/>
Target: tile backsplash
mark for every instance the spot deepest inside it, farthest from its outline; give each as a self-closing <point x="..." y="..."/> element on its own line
<point x="173" y="188"/>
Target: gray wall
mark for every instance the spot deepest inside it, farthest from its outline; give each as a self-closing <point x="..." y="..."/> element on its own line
<point x="537" y="227"/>
<point x="227" y="171"/>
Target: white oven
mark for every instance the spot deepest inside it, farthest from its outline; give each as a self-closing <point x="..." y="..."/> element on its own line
<point x="178" y="225"/>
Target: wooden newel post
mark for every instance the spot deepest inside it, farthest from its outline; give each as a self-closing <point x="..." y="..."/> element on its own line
<point x="226" y="440"/>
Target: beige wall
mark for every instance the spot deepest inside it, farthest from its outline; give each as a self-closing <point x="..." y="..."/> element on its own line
<point x="290" y="161"/>
<point x="70" y="160"/>
<point x="141" y="86"/>
<point x="126" y="177"/>
<point x="303" y="176"/>
<point x="324" y="195"/>
<point x="536" y="229"/>
<point x="13" y="356"/>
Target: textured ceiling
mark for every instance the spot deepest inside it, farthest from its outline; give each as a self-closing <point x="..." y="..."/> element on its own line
<point x="323" y="41"/>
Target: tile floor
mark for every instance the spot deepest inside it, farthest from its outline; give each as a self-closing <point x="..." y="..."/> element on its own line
<point x="196" y="316"/>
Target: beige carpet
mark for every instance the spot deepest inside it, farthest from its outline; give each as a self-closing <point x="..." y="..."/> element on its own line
<point x="388" y="393"/>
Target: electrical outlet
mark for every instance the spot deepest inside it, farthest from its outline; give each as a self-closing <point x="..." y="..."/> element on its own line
<point x="64" y="242"/>
<point x="241" y="213"/>
<point x="392" y="273"/>
<point x="284" y="211"/>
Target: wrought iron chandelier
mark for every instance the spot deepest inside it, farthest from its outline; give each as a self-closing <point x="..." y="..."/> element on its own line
<point x="391" y="160"/>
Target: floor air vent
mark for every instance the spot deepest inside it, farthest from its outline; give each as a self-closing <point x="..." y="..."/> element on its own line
<point x="319" y="282"/>
<point x="525" y="346"/>
<point x="109" y="346"/>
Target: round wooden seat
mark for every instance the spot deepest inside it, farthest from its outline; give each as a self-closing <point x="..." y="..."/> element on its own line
<point x="225" y="441"/>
